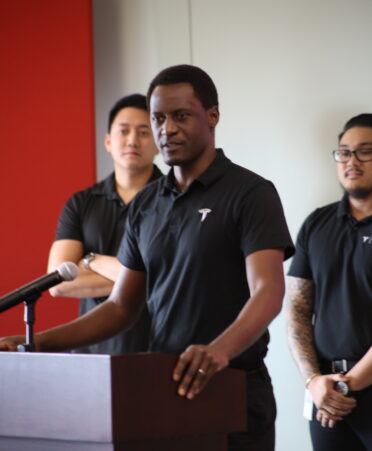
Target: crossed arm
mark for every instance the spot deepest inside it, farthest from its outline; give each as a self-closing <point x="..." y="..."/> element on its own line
<point x="95" y="282"/>
<point x="332" y="406"/>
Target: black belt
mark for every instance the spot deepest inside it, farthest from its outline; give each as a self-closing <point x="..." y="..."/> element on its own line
<point x="337" y="366"/>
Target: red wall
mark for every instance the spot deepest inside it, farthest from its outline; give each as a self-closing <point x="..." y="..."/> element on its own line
<point x="46" y="139"/>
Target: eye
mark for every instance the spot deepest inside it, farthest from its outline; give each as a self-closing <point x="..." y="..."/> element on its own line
<point x="365" y="152"/>
<point x="123" y="131"/>
<point x="157" y="119"/>
<point x="182" y="115"/>
<point x="144" y="133"/>
<point x="343" y="153"/>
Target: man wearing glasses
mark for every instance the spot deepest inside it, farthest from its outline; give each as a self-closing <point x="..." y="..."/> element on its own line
<point x="330" y="301"/>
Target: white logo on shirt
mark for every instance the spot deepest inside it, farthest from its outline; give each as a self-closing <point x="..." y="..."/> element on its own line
<point x="367" y="239"/>
<point x="204" y="212"/>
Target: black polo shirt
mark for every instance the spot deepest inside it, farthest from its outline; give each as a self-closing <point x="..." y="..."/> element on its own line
<point x="193" y="245"/>
<point x="335" y="251"/>
<point x="96" y="217"/>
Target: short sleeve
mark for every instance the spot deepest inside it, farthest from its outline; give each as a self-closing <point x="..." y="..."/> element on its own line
<point x="262" y="222"/>
<point x="300" y="265"/>
<point x="70" y="221"/>
<point x="129" y="254"/>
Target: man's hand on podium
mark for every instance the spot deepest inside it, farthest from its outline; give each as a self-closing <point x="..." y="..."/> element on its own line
<point x="11" y="343"/>
<point x="195" y="367"/>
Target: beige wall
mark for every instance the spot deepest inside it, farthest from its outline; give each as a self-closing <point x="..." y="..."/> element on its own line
<point x="289" y="75"/>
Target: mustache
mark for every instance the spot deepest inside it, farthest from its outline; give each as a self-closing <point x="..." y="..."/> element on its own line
<point x="358" y="171"/>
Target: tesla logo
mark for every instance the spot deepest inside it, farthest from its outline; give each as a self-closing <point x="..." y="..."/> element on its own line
<point x="204" y="212"/>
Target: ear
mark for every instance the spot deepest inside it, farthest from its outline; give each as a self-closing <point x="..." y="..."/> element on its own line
<point x="213" y="117"/>
<point x="107" y="142"/>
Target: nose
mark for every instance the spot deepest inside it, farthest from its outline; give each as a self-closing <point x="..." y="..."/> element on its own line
<point x="132" y="138"/>
<point x="169" y="127"/>
<point x="352" y="160"/>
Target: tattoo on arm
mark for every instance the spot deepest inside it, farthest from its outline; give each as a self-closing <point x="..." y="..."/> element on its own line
<point x="300" y="303"/>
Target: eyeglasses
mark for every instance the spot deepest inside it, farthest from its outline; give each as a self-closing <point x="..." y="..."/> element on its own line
<point x="344" y="155"/>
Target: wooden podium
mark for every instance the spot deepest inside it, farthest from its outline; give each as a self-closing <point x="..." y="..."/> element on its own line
<point x="78" y="402"/>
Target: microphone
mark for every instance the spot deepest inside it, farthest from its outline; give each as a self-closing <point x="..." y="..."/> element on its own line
<point x="65" y="272"/>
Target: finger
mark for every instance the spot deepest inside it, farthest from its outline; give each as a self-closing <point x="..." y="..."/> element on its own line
<point x="180" y="367"/>
<point x="332" y="414"/>
<point x="340" y="401"/>
<point x="201" y="378"/>
<point x="331" y="423"/>
<point x="185" y="360"/>
<point x="324" y="421"/>
<point x="191" y="362"/>
<point x="338" y="404"/>
<point x="319" y="416"/>
<point x="337" y="410"/>
<point x="8" y="346"/>
<point x="339" y="377"/>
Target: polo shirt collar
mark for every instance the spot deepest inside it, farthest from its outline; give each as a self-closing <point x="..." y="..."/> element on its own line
<point x="344" y="211"/>
<point x="107" y="187"/>
<point x="214" y="172"/>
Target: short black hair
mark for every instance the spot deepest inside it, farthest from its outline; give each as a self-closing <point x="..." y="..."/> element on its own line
<point x="133" y="100"/>
<point x="362" y="120"/>
<point x="204" y="88"/>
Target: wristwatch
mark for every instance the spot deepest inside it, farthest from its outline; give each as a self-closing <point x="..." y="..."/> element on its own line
<point x="342" y="387"/>
<point x="87" y="259"/>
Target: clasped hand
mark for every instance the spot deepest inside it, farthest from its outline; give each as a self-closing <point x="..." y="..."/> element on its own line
<point x="332" y="406"/>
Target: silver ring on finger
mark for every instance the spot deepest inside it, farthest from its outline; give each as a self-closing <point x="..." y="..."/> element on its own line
<point x="202" y="372"/>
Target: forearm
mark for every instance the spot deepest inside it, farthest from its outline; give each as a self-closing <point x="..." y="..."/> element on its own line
<point x="120" y="311"/>
<point x="360" y="376"/>
<point x="106" y="266"/>
<point x="99" y="324"/>
<point x="265" y="279"/>
<point x="251" y="323"/>
<point x="198" y="363"/>
<point x="88" y="284"/>
<point x="300" y="294"/>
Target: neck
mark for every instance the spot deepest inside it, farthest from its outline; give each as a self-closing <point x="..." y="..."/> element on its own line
<point x="360" y="208"/>
<point x="186" y="174"/>
<point x="129" y="183"/>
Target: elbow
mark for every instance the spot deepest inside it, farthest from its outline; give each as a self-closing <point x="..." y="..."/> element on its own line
<point x="277" y="305"/>
<point x="55" y="291"/>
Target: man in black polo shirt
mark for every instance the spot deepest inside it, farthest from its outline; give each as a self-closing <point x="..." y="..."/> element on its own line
<point x="205" y="246"/>
<point x="330" y="299"/>
<point x="92" y="221"/>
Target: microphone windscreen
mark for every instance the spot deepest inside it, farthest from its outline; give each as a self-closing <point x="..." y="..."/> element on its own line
<point x="68" y="271"/>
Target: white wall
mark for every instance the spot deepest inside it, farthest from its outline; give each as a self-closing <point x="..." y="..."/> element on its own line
<point x="289" y="75"/>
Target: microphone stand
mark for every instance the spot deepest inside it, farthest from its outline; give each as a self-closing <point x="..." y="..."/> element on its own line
<point x="29" y="318"/>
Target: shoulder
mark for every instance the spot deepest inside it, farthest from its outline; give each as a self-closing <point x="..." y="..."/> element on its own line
<point x="322" y="214"/>
<point x="235" y="170"/>
<point x="85" y="199"/>
<point x="244" y="183"/>
<point x="103" y="187"/>
<point x="148" y="194"/>
<point x="319" y="223"/>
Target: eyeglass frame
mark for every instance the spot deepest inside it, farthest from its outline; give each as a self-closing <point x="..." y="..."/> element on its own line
<point x="350" y="153"/>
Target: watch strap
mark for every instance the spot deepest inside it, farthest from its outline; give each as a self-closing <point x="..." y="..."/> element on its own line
<point x="87" y="259"/>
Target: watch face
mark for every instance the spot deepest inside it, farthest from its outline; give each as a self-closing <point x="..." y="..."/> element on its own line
<point x="342" y="388"/>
